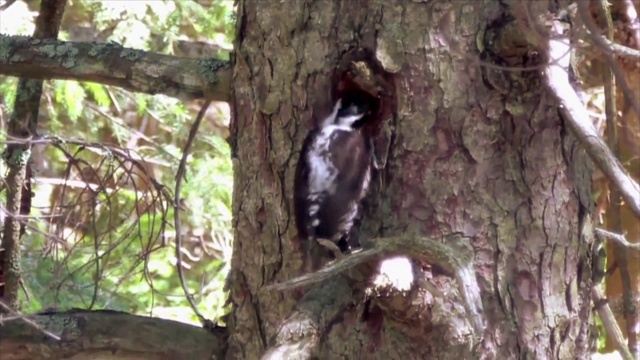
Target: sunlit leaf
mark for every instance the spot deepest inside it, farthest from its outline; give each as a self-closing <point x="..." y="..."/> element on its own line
<point x="99" y="93"/>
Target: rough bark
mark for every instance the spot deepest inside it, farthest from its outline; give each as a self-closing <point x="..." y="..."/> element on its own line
<point x="490" y="160"/>
<point x="112" y="64"/>
<point x="477" y="152"/>
<point x="22" y="125"/>
<point x="108" y="335"/>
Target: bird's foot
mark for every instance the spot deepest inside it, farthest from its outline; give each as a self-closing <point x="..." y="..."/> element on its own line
<point x="333" y="247"/>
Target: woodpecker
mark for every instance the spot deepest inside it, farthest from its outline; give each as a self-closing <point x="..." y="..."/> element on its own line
<point x="332" y="177"/>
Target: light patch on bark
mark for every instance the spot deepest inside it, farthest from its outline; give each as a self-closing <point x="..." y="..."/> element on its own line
<point x="396" y="272"/>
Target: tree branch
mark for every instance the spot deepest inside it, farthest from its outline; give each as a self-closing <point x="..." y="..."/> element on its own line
<point x="180" y="175"/>
<point x="112" y="64"/>
<point x="577" y="118"/>
<point x="610" y="324"/>
<point x="436" y="253"/>
<point x="22" y="124"/>
<point x="109" y="335"/>
<point x="620" y="50"/>
<point x="614" y="218"/>
<point x="17" y="316"/>
<point x="592" y="32"/>
<point x="329" y="271"/>
<point x="620" y="239"/>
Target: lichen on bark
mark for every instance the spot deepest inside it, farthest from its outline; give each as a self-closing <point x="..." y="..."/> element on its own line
<point x="488" y="163"/>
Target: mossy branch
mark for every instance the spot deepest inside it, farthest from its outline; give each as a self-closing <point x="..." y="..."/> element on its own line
<point x="112" y="64"/>
<point x="108" y="335"/>
<point x="307" y="320"/>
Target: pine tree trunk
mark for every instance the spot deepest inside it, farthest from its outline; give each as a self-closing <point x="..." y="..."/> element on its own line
<point x="489" y="160"/>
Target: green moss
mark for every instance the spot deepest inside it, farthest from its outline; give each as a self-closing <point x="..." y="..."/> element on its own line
<point x="130" y="54"/>
<point x="59" y="324"/>
<point x="48" y="50"/>
<point x="66" y="49"/>
<point x="16" y="158"/>
<point x="99" y="50"/>
<point x="8" y="45"/>
<point x="5" y="52"/>
<point x="68" y="53"/>
<point x="208" y="68"/>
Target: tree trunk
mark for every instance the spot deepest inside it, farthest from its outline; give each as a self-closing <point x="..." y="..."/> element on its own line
<point x="472" y="151"/>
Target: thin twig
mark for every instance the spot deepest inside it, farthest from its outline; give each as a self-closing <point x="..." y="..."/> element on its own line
<point x="17" y="315"/>
<point x="117" y="169"/>
<point x="609" y="322"/>
<point x="633" y="22"/>
<point x="176" y="212"/>
<point x="592" y="32"/>
<point x="614" y="213"/>
<point x="329" y="271"/>
<point x="620" y="239"/>
<point x="577" y="118"/>
<point x="621" y="50"/>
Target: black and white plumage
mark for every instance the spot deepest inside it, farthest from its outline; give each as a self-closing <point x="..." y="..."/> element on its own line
<point x="332" y="177"/>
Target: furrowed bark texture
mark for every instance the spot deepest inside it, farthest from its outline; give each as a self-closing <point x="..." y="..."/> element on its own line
<point x="494" y="164"/>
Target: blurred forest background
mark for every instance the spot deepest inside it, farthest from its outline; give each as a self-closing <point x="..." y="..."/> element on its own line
<point x="101" y="232"/>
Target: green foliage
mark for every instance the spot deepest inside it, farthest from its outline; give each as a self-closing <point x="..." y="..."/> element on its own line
<point x="8" y="91"/>
<point x="142" y="103"/>
<point x="71" y="96"/>
<point x="103" y="231"/>
<point x="98" y="92"/>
